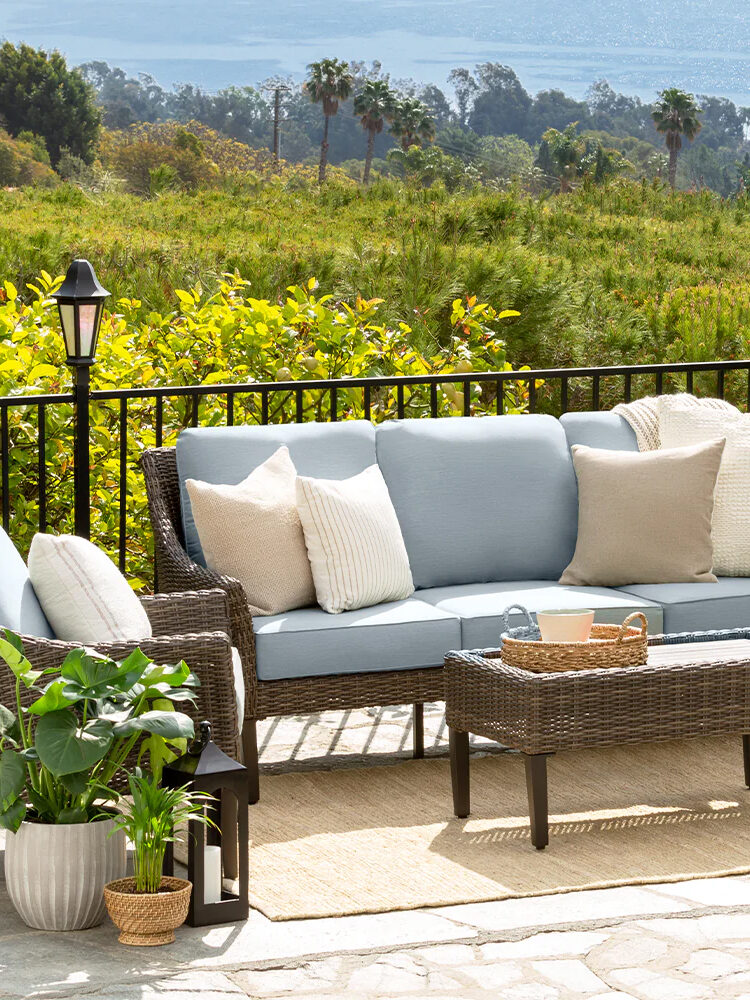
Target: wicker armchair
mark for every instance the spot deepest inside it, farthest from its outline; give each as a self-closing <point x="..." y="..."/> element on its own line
<point x="300" y="696"/>
<point x="189" y="626"/>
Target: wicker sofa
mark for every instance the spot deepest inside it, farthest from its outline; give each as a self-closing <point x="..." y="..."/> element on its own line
<point x="488" y="510"/>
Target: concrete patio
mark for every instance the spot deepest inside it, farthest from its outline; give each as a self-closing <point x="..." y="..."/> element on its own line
<point x="682" y="941"/>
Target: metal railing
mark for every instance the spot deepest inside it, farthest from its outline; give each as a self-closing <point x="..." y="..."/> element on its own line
<point x="33" y="456"/>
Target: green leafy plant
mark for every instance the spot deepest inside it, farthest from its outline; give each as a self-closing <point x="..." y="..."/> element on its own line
<point x="149" y="818"/>
<point x="60" y="753"/>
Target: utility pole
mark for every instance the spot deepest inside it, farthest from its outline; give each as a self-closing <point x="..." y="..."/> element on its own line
<point x="277" y="91"/>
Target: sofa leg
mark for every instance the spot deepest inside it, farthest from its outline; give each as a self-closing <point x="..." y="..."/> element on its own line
<point x="418" y="724"/>
<point x="250" y="755"/>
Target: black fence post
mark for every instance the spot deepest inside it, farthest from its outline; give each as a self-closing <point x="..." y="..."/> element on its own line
<point x="82" y="460"/>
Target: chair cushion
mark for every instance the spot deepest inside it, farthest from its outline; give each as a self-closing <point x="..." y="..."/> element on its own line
<point x="20" y="610"/>
<point x="698" y="607"/>
<point x="83" y="593"/>
<point x="481" y="499"/>
<point x="599" y="429"/>
<point x="229" y="454"/>
<point x="308" y="642"/>
<point x="480" y="606"/>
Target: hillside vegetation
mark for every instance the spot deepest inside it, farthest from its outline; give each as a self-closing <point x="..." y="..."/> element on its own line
<point x="624" y="272"/>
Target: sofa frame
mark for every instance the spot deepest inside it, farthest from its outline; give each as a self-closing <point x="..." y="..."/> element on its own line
<point x="176" y="571"/>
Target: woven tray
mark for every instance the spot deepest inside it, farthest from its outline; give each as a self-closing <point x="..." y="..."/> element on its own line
<point x="609" y="646"/>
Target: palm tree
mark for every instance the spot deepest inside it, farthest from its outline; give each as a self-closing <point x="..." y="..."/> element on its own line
<point x="412" y="122"/>
<point x="374" y="104"/>
<point x="675" y="113"/>
<point x="329" y="81"/>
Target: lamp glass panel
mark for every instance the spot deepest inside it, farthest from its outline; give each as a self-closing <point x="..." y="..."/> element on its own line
<point x="87" y="325"/>
<point x="68" y="322"/>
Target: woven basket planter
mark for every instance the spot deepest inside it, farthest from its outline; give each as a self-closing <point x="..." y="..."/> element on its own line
<point x="145" y="918"/>
<point x="609" y="646"/>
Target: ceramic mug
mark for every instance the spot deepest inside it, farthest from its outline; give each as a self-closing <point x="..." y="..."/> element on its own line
<point x="565" y="625"/>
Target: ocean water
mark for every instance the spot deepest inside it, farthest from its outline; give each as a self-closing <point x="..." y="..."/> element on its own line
<point x="640" y="47"/>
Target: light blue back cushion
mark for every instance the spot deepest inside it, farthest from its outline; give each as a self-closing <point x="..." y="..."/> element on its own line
<point x="601" y="429"/>
<point x="20" y="610"/>
<point x="481" y="499"/>
<point x="229" y="455"/>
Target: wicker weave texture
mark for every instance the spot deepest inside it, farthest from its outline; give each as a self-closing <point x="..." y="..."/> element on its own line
<point x="177" y="571"/>
<point x="148" y="919"/>
<point x="543" y="713"/>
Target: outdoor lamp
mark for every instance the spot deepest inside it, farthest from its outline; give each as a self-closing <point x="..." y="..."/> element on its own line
<point x="80" y="300"/>
<point x="206" y="768"/>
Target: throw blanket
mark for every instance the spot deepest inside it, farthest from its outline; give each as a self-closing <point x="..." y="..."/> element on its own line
<point x="643" y="416"/>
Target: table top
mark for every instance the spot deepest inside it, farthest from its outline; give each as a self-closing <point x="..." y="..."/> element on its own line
<point x="724" y="650"/>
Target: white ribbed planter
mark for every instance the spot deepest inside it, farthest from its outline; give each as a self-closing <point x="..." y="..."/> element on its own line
<point x="56" y="874"/>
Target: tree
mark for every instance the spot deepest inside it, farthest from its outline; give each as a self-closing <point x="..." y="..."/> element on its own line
<point x="374" y="104"/>
<point x="329" y="82"/>
<point x="565" y="151"/>
<point x="412" y="124"/>
<point x="38" y="93"/>
<point x="675" y="114"/>
<point x="465" y="87"/>
<point x="502" y="105"/>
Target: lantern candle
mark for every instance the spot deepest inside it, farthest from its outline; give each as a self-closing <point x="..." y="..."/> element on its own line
<point x="211" y="874"/>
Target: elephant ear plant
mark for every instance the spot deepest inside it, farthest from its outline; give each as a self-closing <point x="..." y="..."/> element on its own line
<point x="60" y="753"/>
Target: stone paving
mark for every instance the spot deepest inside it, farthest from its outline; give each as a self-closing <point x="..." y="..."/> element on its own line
<point x="682" y="941"/>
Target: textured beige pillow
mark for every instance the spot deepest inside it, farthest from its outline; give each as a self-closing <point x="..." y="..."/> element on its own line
<point x="252" y="532"/>
<point x="354" y="541"/>
<point x="644" y="517"/>
<point x="730" y="529"/>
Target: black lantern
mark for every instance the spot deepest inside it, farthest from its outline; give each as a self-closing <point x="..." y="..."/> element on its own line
<point x="208" y="769"/>
<point x="80" y="300"/>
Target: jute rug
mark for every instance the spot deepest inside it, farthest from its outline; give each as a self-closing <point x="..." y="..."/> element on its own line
<point x="384" y="838"/>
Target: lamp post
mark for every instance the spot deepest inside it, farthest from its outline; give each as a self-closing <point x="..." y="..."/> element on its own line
<point x="80" y="301"/>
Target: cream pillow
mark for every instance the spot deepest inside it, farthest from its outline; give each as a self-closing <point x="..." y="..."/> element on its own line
<point x="354" y="541"/>
<point x="681" y="425"/>
<point x="83" y="594"/>
<point x="644" y="517"/>
<point x="252" y="532"/>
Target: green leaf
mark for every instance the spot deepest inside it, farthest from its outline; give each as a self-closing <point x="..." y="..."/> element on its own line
<point x="75" y="783"/>
<point x="15" y="659"/>
<point x="9" y="728"/>
<point x="12" y="778"/>
<point x="76" y="815"/>
<point x="168" y="725"/>
<point x="52" y="700"/>
<point x="12" y="818"/>
<point x="65" y="747"/>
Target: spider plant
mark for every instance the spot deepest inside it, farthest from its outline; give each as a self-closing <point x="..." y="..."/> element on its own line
<point x="149" y="819"/>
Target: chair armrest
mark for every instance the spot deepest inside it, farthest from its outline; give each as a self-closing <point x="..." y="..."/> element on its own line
<point x="189" y="611"/>
<point x="209" y="655"/>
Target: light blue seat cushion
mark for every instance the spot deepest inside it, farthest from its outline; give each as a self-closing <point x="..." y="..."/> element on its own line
<point x="698" y="607"/>
<point x="229" y="455"/>
<point x="599" y="429"/>
<point x="309" y="642"/>
<point x="20" y="610"/>
<point x="481" y="498"/>
<point x="480" y="606"/>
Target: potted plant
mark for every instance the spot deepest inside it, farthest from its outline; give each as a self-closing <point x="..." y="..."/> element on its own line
<point x="59" y="752"/>
<point x="148" y="907"/>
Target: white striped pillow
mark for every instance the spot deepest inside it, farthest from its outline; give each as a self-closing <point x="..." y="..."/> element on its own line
<point x="354" y="541"/>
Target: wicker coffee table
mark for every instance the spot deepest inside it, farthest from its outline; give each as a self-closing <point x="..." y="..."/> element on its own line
<point x="695" y="684"/>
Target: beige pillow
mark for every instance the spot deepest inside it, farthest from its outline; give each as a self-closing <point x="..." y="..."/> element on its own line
<point x="354" y="541"/>
<point x="252" y="532"/>
<point x="730" y="528"/>
<point x="644" y="517"/>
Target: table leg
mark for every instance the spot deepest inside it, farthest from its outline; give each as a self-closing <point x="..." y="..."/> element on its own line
<point x="459" y="746"/>
<point x="536" y="788"/>
<point x="418" y="718"/>
<point x="746" y="757"/>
